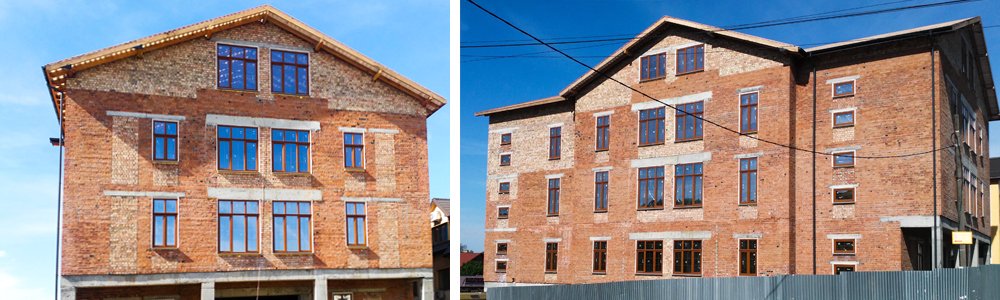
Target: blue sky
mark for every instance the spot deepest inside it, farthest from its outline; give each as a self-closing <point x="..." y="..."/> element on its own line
<point x="38" y="32"/>
<point x="493" y="83"/>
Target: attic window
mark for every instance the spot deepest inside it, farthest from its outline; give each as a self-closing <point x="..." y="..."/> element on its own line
<point x="237" y="67"/>
<point x="653" y="66"/>
<point x="289" y="73"/>
<point x="690" y="59"/>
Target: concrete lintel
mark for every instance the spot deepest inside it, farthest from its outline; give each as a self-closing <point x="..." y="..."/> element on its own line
<point x="671" y="235"/>
<point x="911" y="221"/>
<point x="601" y="169"/>
<point x="703" y="96"/>
<point x="844" y="186"/>
<point x="843" y="262"/>
<point x="843" y="109"/>
<point x="749" y="89"/>
<point x="843" y="236"/>
<point x="748" y="155"/>
<point x="265" y="194"/>
<point x="603" y="113"/>
<point x="370" y="199"/>
<point x="843" y="79"/>
<point x="553" y="125"/>
<point x="150" y="194"/>
<point x="552" y="240"/>
<point x="260" y="122"/>
<point x="501" y="241"/>
<point x="672" y="160"/>
<point x="600" y="238"/>
<point x="352" y="129"/>
<point x="504" y="130"/>
<point x="90" y="281"/>
<point x="842" y="149"/>
<point x="554" y="176"/>
<point x="741" y="236"/>
<point x="503" y="177"/>
<point x="512" y="229"/>
<point x="145" y="115"/>
<point x="383" y="130"/>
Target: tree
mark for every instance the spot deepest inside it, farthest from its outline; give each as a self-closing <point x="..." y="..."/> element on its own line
<point x="472" y="268"/>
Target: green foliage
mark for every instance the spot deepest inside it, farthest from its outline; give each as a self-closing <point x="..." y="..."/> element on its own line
<point x="472" y="268"/>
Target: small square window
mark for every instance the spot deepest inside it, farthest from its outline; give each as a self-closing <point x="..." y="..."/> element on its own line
<point x="504" y="159"/>
<point x="653" y="66"/>
<point x="843" y="159"/>
<point x="501" y="248"/>
<point x="837" y="269"/>
<point x="690" y="59"/>
<point x="503" y="212"/>
<point x="843" y="119"/>
<point x="843" y="246"/>
<point x="843" y="195"/>
<point x="505" y="139"/>
<point x="843" y="89"/>
<point x="501" y="266"/>
<point x="165" y="141"/>
<point x="505" y="188"/>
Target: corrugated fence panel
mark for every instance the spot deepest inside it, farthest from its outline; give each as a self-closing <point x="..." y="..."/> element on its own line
<point x="960" y="284"/>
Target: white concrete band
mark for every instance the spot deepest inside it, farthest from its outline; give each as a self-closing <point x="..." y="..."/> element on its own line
<point x="744" y="236"/>
<point x="600" y="238"/>
<point x="89" y="281"/>
<point x="703" y="96"/>
<point x="601" y="169"/>
<point x="671" y="235"/>
<point x="370" y="199"/>
<point x="145" y="115"/>
<point x="352" y="129"/>
<point x="513" y="229"/>
<point x="749" y="89"/>
<point x="672" y="160"/>
<point x="260" y="122"/>
<point x="748" y="155"/>
<point x="265" y="194"/>
<point x="843" y="236"/>
<point x="552" y="240"/>
<point x="149" y="194"/>
<point x="603" y="113"/>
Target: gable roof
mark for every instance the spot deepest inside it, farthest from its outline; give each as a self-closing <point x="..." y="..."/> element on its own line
<point x="57" y="72"/>
<point x="444" y="204"/>
<point x="628" y="50"/>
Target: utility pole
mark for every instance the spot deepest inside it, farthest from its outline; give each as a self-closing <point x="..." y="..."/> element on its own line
<point x="959" y="178"/>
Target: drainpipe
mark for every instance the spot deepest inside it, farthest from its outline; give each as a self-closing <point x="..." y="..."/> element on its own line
<point x="62" y="145"/>
<point x="959" y="177"/>
<point x="935" y="234"/>
<point x="814" y="171"/>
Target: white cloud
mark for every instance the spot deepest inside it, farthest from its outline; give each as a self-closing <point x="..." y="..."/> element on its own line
<point x="14" y="288"/>
<point x="3" y="254"/>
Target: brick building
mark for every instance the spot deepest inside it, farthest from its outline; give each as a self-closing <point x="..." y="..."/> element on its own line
<point x="602" y="183"/>
<point x="241" y="156"/>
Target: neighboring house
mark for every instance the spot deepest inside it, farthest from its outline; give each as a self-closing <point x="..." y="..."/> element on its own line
<point x="471" y="283"/>
<point x="440" y="235"/>
<point x="601" y="183"/>
<point x="241" y="156"/>
<point x="995" y="209"/>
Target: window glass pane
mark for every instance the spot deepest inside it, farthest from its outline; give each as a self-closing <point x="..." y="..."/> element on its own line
<point x="171" y="222"/>
<point x="238" y="132"/>
<point x="290" y="157"/>
<point x="224" y="132"/>
<point x="223" y="50"/>
<point x="252" y="207"/>
<point x="251" y="233"/>
<point x="276" y="77"/>
<point x="361" y="232"/>
<point x="239" y="207"/>
<point x="238" y="52"/>
<point x="303" y="81"/>
<point x="239" y="234"/>
<point x="292" y="230"/>
<point x="158" y="231"/>
<point x="302" y="59"/>
<point x="289" y="86"/>
<point x="279" y="233"/>
<point x="225" y="207"/>
<point x="238" y="79"/>
<point x="251" y="73"/>
<point x="304" y="207"/>
<point x="223" y="73"/>
<point x="171" y="206"/>
<point x="304" y="234"/>
<point x="238" y="159"/>
<point x="278" y="159"/>
<point x="291" y="208"/>
<point x="251" y="156"/>
<point x="303" y="158"/>
<point x="171" y="148"/>
<point x="276" y="56"/>
<point x="224" y="234"/>
<point x="251" y="53"/>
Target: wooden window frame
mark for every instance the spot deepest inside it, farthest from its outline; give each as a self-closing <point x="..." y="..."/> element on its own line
<point x="750" y="197"/>
<point x="689" y="112"/>
<point x="696" y="259"/>
<point x="504" y="250"/>
<point x="256" y="65"/>
<point x="600" y="263"/>
<point x="646" y="73"/>
<point x="854" y="89"/>
<point x="644" y="249"/>
<point x="357" y="218"/>
<point x="555" y="142"/>
<point x="507" y="163"/>
<point x="745" y="113"/>
<point x="498" y="265"/>
<point x="851" y="153"/>
<point x="505" y="136"/>
<point x="854" y="247"/>
<point x="658" y="178"/>
<point x="551" y="258"/>
<point x="601" y="190"/>
<point x="246" y="144"/>
<point x="354" y="147"/>
<point x="501" y="215"/>
<point x="602" y="133"/>
<point x="553" y="197"/>
<point x="504" y="191"/>
<point x="748" y="257"/>
<point x="166" y="136"/>
<point x="296" y="65"/>
<point x="836" y="268"/>
<point x="854" y="195"/>
<point x="657" y="118"/>
<point x="166" y="214"/>
<point x="298" y="148"/>
<point x="699" y="64"/>
<point x="843" y="125"/>
<point x="246" y="215"/>
<point x="697" y="185"/>
<point x="284" y="215"/>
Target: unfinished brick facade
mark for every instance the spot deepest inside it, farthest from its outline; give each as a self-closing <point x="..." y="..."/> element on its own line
<point x="111" y="177"/>
<point x="901" y="104"/>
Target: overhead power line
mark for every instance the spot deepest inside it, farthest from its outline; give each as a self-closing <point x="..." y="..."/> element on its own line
<point x="762" y="24"/>
<point x="608" y="77"/>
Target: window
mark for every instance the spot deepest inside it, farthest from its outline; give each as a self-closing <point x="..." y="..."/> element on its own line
<point x="690" y="59"/>
<point x="651" y="126"/>
<point x="164" y="141"/>
<point x="843" y="195"/>
<point x="237" y="67"/>
<point x="601" y="191"/>
<point x="748" y="113"/>
<point x="503" y="212"/>
<point x="600" y="257"/>
<point x="237" y="148"/>
<point x="291" y="150"/>
<point x="354" y="150"/>
<point x="551" y="257"/>
<point x="505" y="139"/>
<point x="748" y="180"/>
<point x="501" y="248"/>
<point x="651" y="188"/>
<point x="553" y="197"/>
<point x="504" y="188"/>
<point x="843" y="246"/>
<point x="689" y="123"/>
<point x="687" y="258"/>
<point x="843" y="159"/>
<point x="687" y="180"/>
<point x="504" y="159"/>
<point x="603" y="128"/>
<point x="356" y="224"/>
<point x="843" y="119"/>
<point x="342" y="296"/>
<point x="653" y="66"/>
<point x="237" y="226"/>
<point x="289" y="73"/>
<point x="649" y="257"/>
<point x="555" y="142"/>
<point x="837" y="269"/>
<point x="501" y="266"/>
<point x="748" y="257"/>
<point x="843" y="89"/>
<point x="164" y="222"/>
<point x="292" y="226"/>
